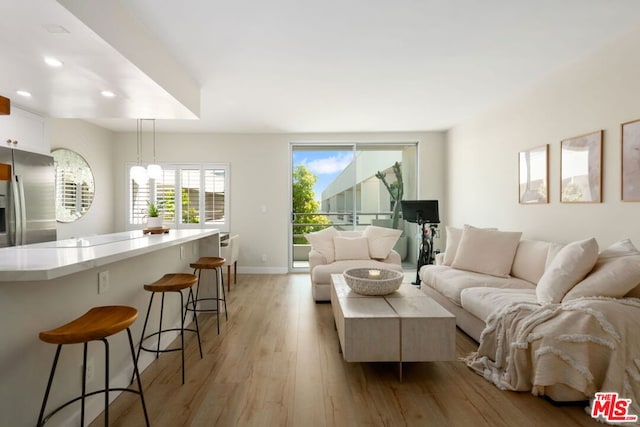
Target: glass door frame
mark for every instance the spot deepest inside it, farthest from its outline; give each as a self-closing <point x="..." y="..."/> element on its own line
<point x="353" y="147"/>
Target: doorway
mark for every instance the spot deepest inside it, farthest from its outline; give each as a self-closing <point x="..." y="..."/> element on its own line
<point x="343" y="186"/>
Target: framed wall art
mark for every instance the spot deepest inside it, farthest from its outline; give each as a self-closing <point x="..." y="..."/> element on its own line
<point x="581" y="168"/>
<point x="533" y="171"/>
<point x="630" y="173"/>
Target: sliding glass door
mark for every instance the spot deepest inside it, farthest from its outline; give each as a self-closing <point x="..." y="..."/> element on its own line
<point x="349" y="186"/>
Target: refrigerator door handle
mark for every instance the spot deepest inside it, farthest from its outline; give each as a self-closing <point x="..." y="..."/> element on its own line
<point x="23" y="212"/>
<point x="16" y="233"/>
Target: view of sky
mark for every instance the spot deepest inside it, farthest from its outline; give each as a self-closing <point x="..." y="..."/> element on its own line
<point x="326" y="165"/>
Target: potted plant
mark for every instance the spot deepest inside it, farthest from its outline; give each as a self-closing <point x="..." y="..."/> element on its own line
<point x="154" y="220"/>
<point x="396" y="192"/>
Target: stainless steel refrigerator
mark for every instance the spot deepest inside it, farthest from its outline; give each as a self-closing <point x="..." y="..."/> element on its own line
<point x="27" y="198"/>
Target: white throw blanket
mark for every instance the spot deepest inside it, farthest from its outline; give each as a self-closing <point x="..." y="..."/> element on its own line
<point x="589" y="344"/>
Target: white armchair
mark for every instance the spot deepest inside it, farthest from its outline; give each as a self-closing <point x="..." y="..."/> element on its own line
<point x="230" y="253"/>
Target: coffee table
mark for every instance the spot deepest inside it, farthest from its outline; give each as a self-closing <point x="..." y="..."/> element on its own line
<point x="405" y="326"/>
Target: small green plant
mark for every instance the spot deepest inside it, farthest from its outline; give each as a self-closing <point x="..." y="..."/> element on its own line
<point x="153" y="210"/>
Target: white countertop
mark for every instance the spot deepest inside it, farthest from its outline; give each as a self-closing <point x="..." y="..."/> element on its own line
<point x="50" y="260"/>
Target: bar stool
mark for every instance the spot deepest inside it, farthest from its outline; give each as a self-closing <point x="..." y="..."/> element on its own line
<point x="174" y="282"/>
<point x="216" y="264"/>
<point x="95" y="325"/>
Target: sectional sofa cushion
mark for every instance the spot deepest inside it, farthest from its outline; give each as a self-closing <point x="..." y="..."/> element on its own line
<point x="530" y="260"/>
<point x="322" y="242"/>
<point x="381" y="240"/>
<point x="486" y="251"/>
<point x="481" y="302"/>
<point x="351" y="248"/>
<point x="450" y="281"/>
<point x="572" y="263"/>
<point x="616" y="272"/>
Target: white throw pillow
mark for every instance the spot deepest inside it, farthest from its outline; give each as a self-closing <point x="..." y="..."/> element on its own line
<point x="616" y="272"/>
<point x="453" y="241"/>
<point x="351" y="248"/>
<point x="572" y="263"/>
<point x="322" y="242"/>
<point x="381" y="240"/>
<point x="486" y="251"/>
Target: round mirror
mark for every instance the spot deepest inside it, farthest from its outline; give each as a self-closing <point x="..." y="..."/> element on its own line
<point x="74" y="185"/>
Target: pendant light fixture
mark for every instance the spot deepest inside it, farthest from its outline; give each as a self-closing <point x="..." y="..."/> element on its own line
<point x="154" y="171"/>
<point x="138" y="172"/>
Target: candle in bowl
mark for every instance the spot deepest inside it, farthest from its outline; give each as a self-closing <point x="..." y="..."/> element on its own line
<point x="374" y="274"/>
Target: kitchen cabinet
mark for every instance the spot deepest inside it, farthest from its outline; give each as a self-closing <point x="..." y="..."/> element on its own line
<point x="24" y="131"/>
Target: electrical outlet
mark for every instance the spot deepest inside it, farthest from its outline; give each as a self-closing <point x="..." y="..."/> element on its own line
<point x="103" y="281"/>
<point x="90" y="369"/>
<point x="264" y="257"/>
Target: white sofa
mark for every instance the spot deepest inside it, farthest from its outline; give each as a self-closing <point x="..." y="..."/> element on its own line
<point x="334" y="251"/>
<point x="473" y="297"/>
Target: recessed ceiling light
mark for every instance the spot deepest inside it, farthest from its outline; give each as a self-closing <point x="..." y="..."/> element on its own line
<point x="108" y="94"/>
<point x="52" y="62"/>
<point x="24" y="93"/>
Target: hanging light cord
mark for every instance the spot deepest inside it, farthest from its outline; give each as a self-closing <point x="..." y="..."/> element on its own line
<point x="154" y="140"/>
<point x="138" y="137"/>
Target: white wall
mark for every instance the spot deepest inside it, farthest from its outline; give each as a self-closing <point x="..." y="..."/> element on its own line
<point x="600" y="92"/>
<point x="260" y="176"/>
<point x="95" y="144"/>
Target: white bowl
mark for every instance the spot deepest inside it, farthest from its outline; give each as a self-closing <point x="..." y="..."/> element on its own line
<point x="371" y="281"/>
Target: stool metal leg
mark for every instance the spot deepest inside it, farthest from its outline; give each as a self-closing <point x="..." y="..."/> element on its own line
<point x="106" y="383"/>
<point x="160" y="327"/>
<point x="137" y="375"/>
<point x="84" y="384"/>
<point x="224" y="296"/>
<point x="195" y="317"/>
<point x="144" y="328"/>
<point x="46" y="393"/>
<point x="181" y="331"/>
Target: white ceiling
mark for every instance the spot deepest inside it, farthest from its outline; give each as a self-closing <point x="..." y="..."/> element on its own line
<point x="294" y="65"/>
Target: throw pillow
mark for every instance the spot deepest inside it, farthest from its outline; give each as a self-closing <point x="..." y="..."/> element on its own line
<point x="486" y="251"/>
<point x="322" y="242"/>
<point x="351" y="248"/>
<point x="381" y="240"/>
<point x="453" y="241"/>
<point x="616" y="272"/>
<point x="572" y="263"/>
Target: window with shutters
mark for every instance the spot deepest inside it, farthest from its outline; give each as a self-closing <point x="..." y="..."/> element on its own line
<point x="187" y="196"/>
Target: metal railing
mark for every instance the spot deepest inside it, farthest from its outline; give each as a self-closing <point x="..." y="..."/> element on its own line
<point x="343" y="220"/>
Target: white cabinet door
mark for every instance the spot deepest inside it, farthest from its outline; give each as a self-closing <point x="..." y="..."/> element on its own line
<point x="24" y="131"/>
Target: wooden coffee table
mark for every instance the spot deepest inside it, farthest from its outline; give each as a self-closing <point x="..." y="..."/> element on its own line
<point x="405" y="326"/>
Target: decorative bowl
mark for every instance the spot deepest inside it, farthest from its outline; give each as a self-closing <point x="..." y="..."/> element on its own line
<point x="372" y="281"/>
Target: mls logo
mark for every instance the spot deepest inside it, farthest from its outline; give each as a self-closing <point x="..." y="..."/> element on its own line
<point x="612" y="408"/>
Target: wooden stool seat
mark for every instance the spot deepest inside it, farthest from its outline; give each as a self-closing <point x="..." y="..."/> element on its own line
<point x="208" y="262"/>
<point x="96" y="324"/>
<point x="172" y="282"/>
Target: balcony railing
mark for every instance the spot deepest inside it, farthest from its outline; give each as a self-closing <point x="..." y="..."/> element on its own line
<point x="341" y="220"/>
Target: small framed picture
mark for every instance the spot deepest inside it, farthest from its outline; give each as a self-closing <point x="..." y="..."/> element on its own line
<point x="630" y="178"/>
<point x="533" y="169"/>
<point x="581" y="169"/>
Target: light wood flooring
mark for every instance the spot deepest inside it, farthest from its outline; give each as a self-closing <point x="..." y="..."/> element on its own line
<point x="276" y="362"/>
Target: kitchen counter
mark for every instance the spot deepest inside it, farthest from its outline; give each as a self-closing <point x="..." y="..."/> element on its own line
<point x="50" y="260"/>
<point x="45" y="285"/>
